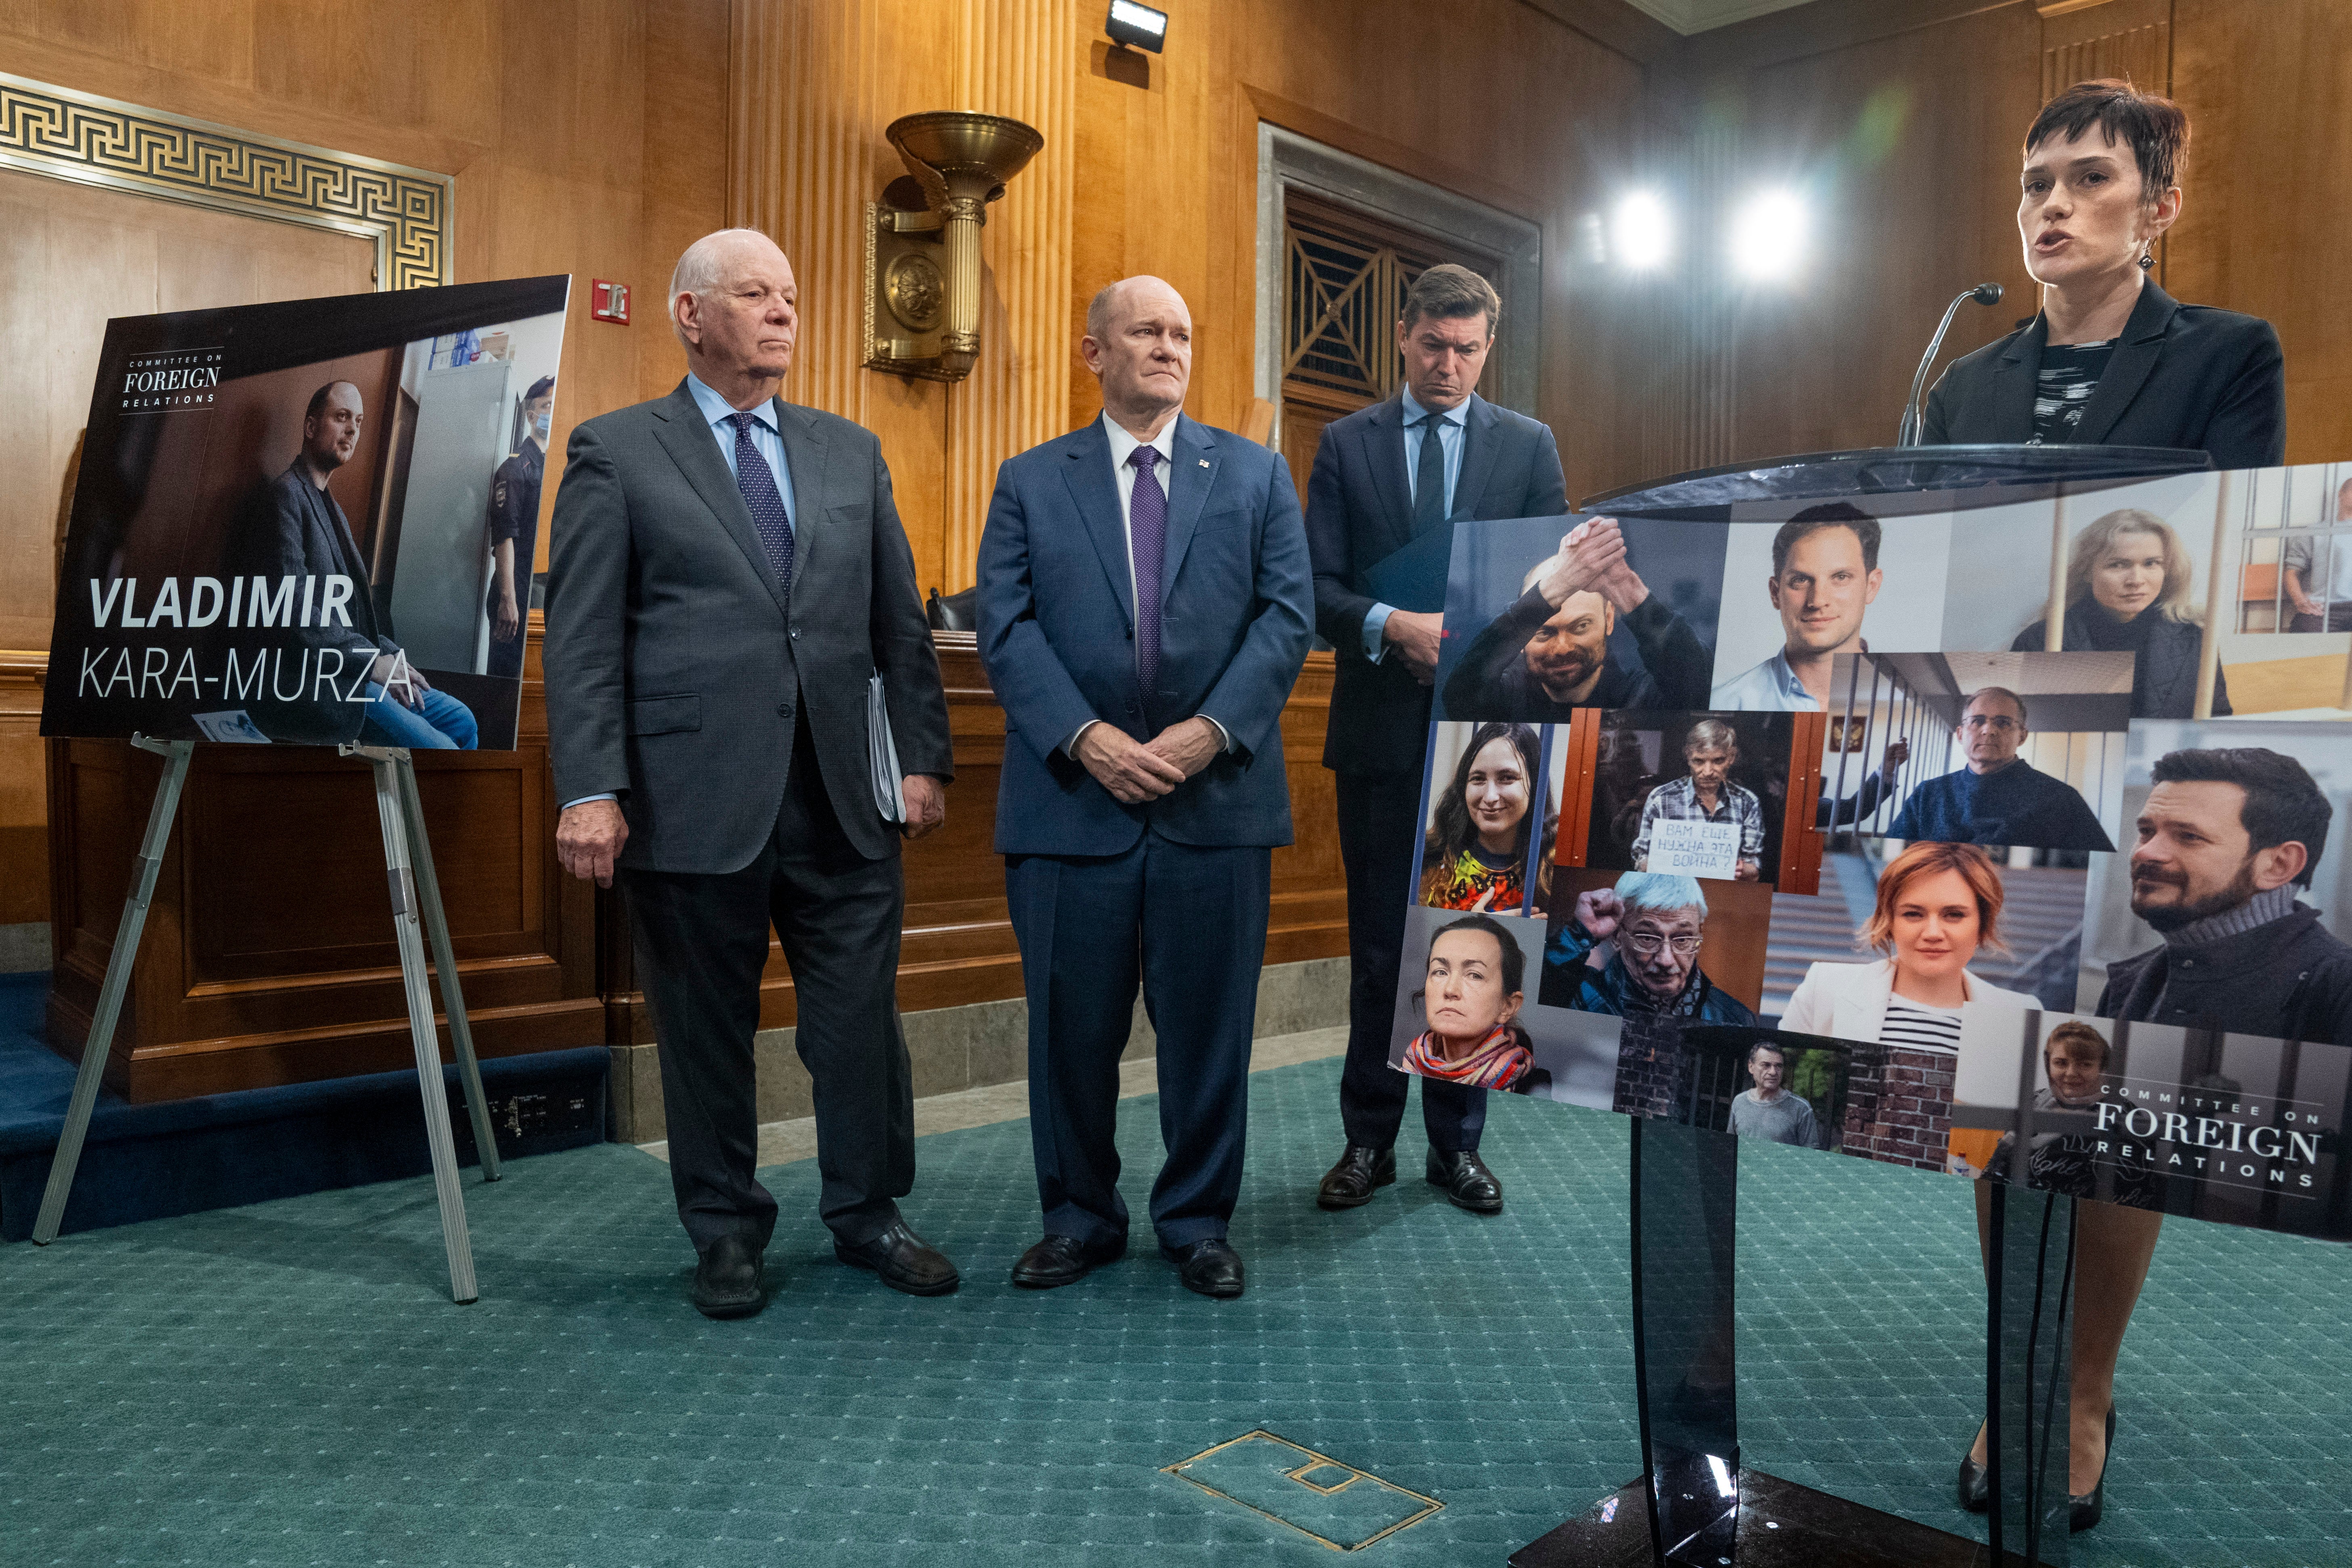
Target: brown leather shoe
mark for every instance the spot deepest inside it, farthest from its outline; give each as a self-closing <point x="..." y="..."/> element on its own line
<point x="1468" y="1183"/>
<point x="904" y="1260"/>
<point x="1362" y="1171"/>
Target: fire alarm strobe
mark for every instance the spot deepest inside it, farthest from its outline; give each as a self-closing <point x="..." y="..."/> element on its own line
<point x="608" y="301"/>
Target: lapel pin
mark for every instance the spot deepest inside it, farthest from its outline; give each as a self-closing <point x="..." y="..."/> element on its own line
<point x="1204" y="462"/>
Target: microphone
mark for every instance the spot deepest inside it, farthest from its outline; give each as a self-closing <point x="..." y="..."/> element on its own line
<point x="1907" y="433"/>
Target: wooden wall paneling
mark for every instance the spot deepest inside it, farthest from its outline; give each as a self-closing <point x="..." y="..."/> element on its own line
<point x="2268" y="88"/>
<point x="268" y="955"/>
<point x="1905" y="145"/>
<point x="1020" y="61"/>
<point x="23" y="793"/>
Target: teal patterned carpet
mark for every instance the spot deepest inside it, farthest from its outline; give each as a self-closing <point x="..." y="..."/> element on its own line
<point x="288" y="1384"/>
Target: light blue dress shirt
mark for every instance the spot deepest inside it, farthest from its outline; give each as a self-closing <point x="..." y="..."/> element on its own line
<point x="1452" y="433"/>
<point x="766" y="439"/>
<point x="1770" y="688"/>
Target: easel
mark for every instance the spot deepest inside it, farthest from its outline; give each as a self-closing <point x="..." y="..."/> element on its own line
<point x="415" y="899"/>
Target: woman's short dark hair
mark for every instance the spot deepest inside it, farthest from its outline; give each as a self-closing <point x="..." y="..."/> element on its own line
<point x="2155" y="128"/>
<point x="1448" y="290"/>
<point x="2284" y="804"/>
<point x="1515" y="963"/>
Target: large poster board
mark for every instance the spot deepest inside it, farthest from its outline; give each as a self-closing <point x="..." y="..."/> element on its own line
<point x="2048" y="882"/>
<point x="309" y="522"/>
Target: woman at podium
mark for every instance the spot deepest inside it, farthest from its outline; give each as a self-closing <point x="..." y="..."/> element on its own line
<point x="2111" y="360"/>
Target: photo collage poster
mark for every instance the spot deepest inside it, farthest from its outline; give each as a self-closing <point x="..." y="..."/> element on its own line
<point x="311" y="522"/>
<point x="1993" y="841"/>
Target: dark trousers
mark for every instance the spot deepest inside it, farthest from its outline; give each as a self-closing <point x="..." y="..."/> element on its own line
<point x="1188" y="924"/>
<point x="2338" y="618"/>
<point x="1380" y="819"/>
<point x="701" y="944"/>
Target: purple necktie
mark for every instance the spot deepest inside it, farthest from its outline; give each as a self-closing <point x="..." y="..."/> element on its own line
<point x="1147" y="538"/>
<point x="758" y="483"/>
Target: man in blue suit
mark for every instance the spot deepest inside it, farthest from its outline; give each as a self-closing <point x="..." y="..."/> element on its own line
<point x="1384" y="476"/>
<point x="1144" y="605"/>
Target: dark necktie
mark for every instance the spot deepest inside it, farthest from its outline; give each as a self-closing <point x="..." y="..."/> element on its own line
<point x="1147" y="527"/>
<point x="758" y="483"/>
<point x="1429" y="478"/>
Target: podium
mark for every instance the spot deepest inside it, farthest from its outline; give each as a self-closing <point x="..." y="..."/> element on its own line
<point x="1696" y="1505"/>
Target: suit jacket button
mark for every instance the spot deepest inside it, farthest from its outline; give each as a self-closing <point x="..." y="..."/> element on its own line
<point x="783" y="710"/>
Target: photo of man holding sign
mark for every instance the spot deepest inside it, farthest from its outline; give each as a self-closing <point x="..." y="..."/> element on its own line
<point x="1703" y="825"/>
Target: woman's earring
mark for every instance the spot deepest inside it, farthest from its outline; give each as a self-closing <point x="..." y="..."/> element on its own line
<point x="2147" y="259"/>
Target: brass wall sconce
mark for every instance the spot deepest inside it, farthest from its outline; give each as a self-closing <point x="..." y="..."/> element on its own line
<point x="922" y="240"/>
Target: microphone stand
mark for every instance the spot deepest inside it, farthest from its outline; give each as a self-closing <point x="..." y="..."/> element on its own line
<point x="1907" y="433"/>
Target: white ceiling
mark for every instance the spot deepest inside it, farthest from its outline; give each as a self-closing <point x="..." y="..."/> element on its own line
<point x="1688" y="17"/>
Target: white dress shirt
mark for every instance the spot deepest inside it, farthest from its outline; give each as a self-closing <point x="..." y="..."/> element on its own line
<point x="1122" y="473"/>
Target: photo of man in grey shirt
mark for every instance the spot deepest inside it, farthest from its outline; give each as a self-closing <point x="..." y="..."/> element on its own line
<point x="1769" y="1111"/>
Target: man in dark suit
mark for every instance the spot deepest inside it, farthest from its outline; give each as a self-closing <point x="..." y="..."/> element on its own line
<point x="293" y="534"/>
<point x="1144" y="605"/>
<point x="1383" y="476"/>
<point x="728" y="572"/>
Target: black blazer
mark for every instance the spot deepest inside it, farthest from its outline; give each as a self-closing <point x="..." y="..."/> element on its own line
<point x="2185" y="376"/>
<point x="675" y="664"/>
<point x="1359" y="513"/>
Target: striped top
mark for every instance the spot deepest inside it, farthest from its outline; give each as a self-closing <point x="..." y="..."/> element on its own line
<point x="2070" y="374"/>
<point x="1913" y="1027"/>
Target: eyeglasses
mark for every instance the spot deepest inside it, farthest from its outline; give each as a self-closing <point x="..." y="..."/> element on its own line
<point x="1647" y="943"/>
<point x="2000" y="723"/>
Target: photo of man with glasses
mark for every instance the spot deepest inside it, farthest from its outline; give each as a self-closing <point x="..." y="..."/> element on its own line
<point x="1652" y="926"/>
<point x="1999" y="797"/>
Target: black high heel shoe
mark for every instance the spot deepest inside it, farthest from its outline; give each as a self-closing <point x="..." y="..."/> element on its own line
<point x="2085" y="1512"/>
<point x="1975" y="1486"/>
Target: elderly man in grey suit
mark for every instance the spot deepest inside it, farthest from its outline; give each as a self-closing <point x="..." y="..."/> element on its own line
<point x="728" y="572"/>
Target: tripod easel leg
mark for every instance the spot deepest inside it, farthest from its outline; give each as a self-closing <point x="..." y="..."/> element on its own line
<point x="445" y="965"/>
<point x="390" y="811"/>
<point x="119" y="964"/>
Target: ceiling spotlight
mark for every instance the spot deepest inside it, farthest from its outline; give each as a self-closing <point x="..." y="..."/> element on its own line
<point x="1138" y="27"/>
<point x="1641" y="231"/>
<point x="1769" y="236"/>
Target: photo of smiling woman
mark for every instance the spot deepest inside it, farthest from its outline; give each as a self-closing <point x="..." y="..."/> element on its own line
<point x="1474" y="855"/>
<point x="2128" y="591"/>
<point x="1472" y="989"/>
<point x="1938" y="904"/>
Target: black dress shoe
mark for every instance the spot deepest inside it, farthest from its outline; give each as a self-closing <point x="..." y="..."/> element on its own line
<point x="731" y="1280"/>
<point x="1468" y="1183"/>
<point x="904" y="1260"/>
<point x="1057" y="1260"/>
<point x="2085" y="1512"/>
<point x="1361" y="1171"/>
<point x="1975" y="1486"/>
<point x="1211" y="1267"/>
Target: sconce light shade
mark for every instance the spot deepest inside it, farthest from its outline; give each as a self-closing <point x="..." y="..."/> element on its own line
<point x="922" y="267"/>
<point x="1137" y="26"/>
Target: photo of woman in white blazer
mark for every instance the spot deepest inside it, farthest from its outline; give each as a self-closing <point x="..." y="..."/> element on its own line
<point x="1938" y="904"/>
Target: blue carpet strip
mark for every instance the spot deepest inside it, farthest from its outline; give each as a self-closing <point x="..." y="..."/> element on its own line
<point x="285" y="1384"/>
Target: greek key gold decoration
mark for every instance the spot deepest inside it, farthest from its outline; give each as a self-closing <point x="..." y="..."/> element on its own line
<point x="70" y="135"/>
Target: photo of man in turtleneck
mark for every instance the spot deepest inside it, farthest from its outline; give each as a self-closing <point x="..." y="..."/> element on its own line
<point x="1999" y="798"/>
<point x="2226" y="837"/>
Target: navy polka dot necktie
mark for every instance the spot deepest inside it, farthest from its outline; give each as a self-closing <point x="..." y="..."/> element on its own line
<point x="1146" y="516"/>
<point x="758" y="483"/>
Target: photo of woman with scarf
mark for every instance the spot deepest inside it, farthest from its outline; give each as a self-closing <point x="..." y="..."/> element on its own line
<point x="1473" y="988"/>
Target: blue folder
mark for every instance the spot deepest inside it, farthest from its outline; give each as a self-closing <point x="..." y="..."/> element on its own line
<point x="1413" y="578"/>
